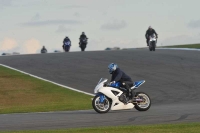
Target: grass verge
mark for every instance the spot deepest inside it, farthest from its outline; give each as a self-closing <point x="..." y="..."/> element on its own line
<point x="197" y="46"/>
<point x="163" y="128"/>
<point x="21" y="93"/>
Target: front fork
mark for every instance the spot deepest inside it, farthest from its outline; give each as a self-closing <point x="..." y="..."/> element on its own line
<point x="102" y="97"/>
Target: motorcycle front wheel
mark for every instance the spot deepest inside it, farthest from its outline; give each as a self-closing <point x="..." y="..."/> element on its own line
<point x="66" y="48"/>
<point x="153" y="46"/>
<point x="150" y="47"/>
<point x="83" y="47"/>
<point x="101" y="107"/>
<point x="145" y="102"/>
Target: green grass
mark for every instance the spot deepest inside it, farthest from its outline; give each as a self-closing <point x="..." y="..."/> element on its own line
<point x="23" y="93"/>
<point x="163" y="128"/>
<point x="197" y="46"/>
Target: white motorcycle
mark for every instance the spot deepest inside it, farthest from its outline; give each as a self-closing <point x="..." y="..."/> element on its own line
<point x="152" y="43"/>
<point x="112" y="97"/>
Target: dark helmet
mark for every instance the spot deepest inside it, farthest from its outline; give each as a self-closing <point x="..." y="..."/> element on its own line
<point x="83" y="33"/>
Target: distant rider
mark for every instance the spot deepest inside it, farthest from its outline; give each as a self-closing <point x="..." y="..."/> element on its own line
<point x="150" y="32"/>
<point x="119" y="76"/>
<point x="82" y="36"/>
<point x="65" y="41"/>
<point x="43" y="50"/>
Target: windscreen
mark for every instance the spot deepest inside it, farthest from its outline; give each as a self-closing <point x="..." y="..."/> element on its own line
<point x="153" y="35"/>
<point x="102" y="80"/>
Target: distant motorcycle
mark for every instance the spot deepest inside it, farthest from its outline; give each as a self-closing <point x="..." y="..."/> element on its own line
<point x="112" y="97"/>
<point x="152" y="42"/>
<point x="43" y="51"/>
<point x="67" y="45"/>
<point x="83" y="43"/>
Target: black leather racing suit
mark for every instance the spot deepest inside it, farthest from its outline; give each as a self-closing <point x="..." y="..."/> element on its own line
<point x="119" y="76"/>
<point x="150" y="32"/>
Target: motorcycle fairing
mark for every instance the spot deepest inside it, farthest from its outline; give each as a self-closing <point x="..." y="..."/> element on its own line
<point x="138" y="83"/>
<point x="67" y="43"/>
<point x="116" y="85"/>
<point x="116" y="104"/>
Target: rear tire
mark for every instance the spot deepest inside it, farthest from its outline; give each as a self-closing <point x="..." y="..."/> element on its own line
<point x="101" y="108"/>
<point x="145" y="105"/>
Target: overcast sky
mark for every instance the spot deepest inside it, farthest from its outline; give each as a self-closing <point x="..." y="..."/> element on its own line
<point x="27" y="25"/>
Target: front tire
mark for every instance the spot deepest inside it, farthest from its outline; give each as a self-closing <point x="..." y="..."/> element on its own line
<point x="145" y="104"/>
<point x="82" y="49"/>
<point x="83" y="46"/>
<point x="150" y="47"/>
<point x="101" y="107"/>
<point x="153" y="46"/>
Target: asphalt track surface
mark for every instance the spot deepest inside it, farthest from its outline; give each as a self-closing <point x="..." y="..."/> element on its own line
<point x="172" y="81"/>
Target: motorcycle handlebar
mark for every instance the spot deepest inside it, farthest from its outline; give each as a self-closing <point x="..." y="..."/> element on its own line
<point x="106" y="84"/>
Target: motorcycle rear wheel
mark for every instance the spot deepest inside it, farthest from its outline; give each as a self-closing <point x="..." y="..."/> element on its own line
<point x="145" y="104"/>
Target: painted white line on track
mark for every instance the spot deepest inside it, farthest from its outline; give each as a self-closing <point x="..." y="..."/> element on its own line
<point x="47" y="80"/>
<point x="48" y="112"/>
<point x="191" y="49"/>
<point x="34" y="53"/>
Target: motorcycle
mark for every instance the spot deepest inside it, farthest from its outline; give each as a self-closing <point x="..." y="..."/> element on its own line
<point x="66" y="46"/>
<point x="43" y="51"/>
<point x="152" y="43"/>
<point x="112" y="97"/>
<point x="83" y="43"/>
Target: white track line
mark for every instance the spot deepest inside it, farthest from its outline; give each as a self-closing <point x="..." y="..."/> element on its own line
<point x="191" y="49"/>
<point x="47" y="80"/>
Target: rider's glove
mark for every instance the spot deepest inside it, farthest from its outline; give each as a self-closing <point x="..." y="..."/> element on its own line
<point x="113" y="82"/>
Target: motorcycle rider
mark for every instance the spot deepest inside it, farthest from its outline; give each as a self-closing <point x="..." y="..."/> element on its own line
<point x="119" y="76"/>
<point x="65" y="42"/>
<point x="82" y="36"/>
<point x="150" y="32"/>
<point x="43" y="50"/>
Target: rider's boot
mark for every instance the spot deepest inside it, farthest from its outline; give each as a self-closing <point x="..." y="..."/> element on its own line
<point x="129" y="95"/>
<point x="132" y="97"/>
<point x="125" y="99"/>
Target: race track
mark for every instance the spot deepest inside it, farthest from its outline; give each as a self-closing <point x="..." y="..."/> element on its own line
<point x="172" y="81"/>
